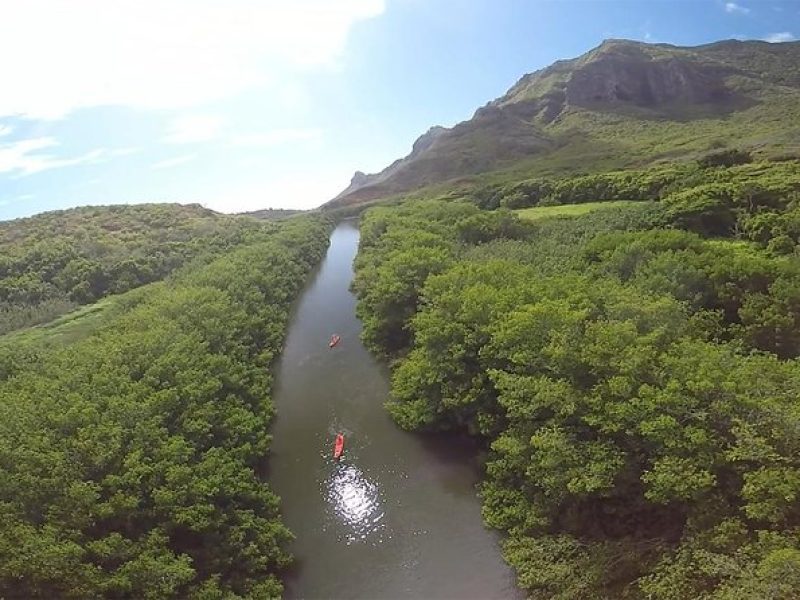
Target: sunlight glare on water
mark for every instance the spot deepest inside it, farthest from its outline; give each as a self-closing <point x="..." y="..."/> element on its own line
<point x="355" y="502"/>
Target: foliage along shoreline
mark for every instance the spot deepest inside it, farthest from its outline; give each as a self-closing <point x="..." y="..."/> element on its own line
<point x="637" y="382"/>
<point x="129" y="460"/>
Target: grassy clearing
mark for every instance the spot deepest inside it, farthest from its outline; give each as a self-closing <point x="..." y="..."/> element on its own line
<point x="75" y="325"/>
<point x="569" y="210"/>
<point x="64" y="330"/>
<point x="733" y="245"/>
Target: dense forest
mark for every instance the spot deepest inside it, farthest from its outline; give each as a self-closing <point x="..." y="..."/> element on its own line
<point x="54" y="262"/>
<point x="632" y="370"/>
<point x="132" y="460"/>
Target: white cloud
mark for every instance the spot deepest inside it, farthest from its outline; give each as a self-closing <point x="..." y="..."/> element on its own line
<point x="275" y="137"/>
<point x="732" y="7"/>
<point x="190" y="129"/>
<point x="151" y="54"/>
<point x="175" y="161"/>
<point x="5" y="130"/>
<point x="783" y="36"/>
<point x="26" y="157"/>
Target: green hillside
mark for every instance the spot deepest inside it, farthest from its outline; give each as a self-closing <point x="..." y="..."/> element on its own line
<point x="54" y="262"/>
<point x="623" y="105"/>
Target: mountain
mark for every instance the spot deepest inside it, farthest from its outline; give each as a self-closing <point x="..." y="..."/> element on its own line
<point x="623" y="104"/>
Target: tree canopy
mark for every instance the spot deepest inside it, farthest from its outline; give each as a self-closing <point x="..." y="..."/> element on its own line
<point x="131" y="460"/>
<point x="636" y="385"/>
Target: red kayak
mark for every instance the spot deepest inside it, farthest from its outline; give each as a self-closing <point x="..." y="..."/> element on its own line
<point x="338" y="446"/>
<point x="334" y="340"/>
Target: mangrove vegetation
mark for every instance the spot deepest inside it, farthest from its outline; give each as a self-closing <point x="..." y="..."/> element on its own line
<point x="632" y="371"/>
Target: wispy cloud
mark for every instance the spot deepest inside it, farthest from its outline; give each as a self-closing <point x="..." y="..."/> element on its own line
<point x="732" y="7"/>
<point x="150" y="54"/>
<point x="29" y="156"/>
<point x="175" y="161"/>
<point x="5" y="130"/>
<point x="191" y="129"/>
<point x="275" y="137"/>
<point x="783" y="36"/>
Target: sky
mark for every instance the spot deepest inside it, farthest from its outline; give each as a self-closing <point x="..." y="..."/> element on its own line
<point x="242" y="105"/>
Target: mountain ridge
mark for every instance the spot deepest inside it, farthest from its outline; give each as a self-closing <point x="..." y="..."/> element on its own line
<point x="566" y="114"/>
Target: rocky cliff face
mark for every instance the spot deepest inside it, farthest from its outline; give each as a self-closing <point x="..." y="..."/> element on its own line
<point x="620" y="73"/>
<point x="648" y="84"/>
<point x="359" y="178"/>
<point x="632" y="80"/>
<point x="427" y="139"/>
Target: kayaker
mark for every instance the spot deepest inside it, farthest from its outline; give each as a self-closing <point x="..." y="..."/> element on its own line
<point x="338" y="446"/>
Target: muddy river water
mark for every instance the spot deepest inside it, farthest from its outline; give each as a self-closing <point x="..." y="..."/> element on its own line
<point x="398" y="516"/>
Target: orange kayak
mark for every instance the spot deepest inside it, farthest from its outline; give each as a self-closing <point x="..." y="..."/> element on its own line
<point x="338" y="446"/>
<point x="334" y="340"/>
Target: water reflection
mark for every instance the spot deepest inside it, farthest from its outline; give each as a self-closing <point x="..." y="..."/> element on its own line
<point x="355" y="501"/>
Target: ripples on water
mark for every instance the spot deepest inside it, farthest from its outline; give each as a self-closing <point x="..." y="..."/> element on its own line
<point x="355" y="501"/>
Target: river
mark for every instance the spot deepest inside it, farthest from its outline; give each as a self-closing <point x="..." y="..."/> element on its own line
<point x="398" y="516"/>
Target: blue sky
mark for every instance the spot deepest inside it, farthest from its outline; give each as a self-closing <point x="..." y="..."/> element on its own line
<point x="249" y="104"/>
